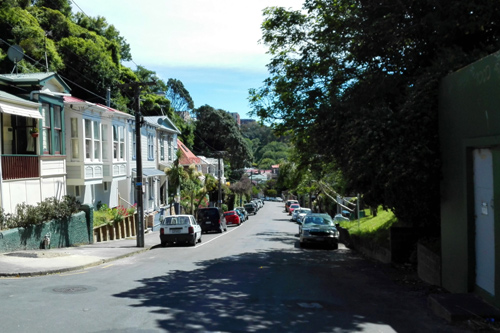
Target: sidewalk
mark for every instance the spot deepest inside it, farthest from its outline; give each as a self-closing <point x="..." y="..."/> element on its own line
<point x="59" y="260"/>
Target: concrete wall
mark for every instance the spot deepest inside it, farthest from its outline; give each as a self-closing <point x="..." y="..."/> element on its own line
<point x="75" y="231"/>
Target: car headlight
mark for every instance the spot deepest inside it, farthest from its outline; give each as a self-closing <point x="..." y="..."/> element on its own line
<point x="305" y="232"/>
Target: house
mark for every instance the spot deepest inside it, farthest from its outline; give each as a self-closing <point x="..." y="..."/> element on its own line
<point x="469" y="127"/>
<point x="33" y="168"/>
<point x="165" y="151"/>
<point x="97" y="152"/>
<point x="211" y="166"/>
<point x="187" y="157"/>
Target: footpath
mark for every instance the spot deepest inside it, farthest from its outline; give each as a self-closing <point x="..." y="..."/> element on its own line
<point x="58" y="260"/>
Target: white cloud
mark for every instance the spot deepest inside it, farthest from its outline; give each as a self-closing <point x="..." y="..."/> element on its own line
<point x="196" y="33"/>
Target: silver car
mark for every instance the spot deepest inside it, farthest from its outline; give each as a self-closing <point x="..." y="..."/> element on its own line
<point x="297" y="213"/>
<point x="320" y="229"/>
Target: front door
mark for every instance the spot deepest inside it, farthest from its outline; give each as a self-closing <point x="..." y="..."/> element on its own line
<point x="485" y="229"/>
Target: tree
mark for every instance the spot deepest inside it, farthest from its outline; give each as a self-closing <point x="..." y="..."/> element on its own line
<point x="179" y="96"/>
<point x="355" y="82"/>
<point x="217" y="131"/>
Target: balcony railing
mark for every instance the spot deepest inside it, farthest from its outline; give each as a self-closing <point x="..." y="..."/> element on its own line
<point x="20" y="166"/>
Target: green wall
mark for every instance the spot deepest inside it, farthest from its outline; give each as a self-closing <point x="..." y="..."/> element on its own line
<point x="469" y="118"/>
<point x="63" y="233"/>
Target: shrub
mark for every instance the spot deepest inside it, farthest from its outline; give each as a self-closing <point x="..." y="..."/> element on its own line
<point x="49" y="209"/>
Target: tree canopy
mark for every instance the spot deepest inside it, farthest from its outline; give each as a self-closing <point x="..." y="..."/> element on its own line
<point x="355" y="82"/>
<point x="216" y="131"/>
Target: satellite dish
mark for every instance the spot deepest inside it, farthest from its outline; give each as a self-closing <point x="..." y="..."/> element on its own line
<point x="15" y="53"/>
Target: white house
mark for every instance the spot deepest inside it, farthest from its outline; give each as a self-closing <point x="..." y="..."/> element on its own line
<point x="97" y="154"/>
<point x="33" y="168"/>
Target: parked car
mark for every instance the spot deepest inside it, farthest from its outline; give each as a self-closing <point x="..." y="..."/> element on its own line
<point x="250" y="208"/>
<point x="232" y="218"/>
<point x="297" y="211"/>
<point x="179" y="229"/>
<point x="320" y="229"/>
<point x="243" y="211"/>
<point x="292" y="208"/>
<point x="279" y="199"/>
<point x="288" y="203"/>
<point x="211" y="219"/>
<point x="300" y="216"/>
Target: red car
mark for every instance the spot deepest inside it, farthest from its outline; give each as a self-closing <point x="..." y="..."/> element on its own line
<point x="232" y="218"/>
<point x="292" y="207"/>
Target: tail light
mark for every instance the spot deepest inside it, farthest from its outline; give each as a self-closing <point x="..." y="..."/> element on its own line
<point x="191" y="230"/>
<point x="162" y="231"/>
<point x="219" y="221"/>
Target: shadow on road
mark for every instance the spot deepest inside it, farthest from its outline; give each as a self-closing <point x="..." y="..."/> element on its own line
<point x="285" y="290"/>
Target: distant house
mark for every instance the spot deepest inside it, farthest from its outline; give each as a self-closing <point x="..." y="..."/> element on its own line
<point x="187" y="157"/>
<point x="211" y="166"/>
<point x="33" y="166"/>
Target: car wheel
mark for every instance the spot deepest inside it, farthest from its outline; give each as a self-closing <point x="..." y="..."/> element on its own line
<point x="199" y="240"/>
<point x="220" y="231"/>
<point x="163" y="244"/>
<point x="334" y="246"/>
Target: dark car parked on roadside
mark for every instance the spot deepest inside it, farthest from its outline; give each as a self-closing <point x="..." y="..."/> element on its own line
<point x="211" y="219"/>
<point x="250" y="208"/>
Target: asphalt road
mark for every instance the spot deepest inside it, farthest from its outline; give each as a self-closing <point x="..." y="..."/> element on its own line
<point x="253" y="278"/>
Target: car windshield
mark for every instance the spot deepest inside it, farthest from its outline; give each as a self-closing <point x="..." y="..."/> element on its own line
<point x="318" y="220"/>
<point x="176" y="220"/>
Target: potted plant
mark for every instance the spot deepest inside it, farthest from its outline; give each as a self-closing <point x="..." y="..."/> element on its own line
<point x="34" y="132"/>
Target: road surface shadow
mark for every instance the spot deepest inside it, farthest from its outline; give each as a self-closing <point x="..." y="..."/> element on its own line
<point x="284" y="291"/>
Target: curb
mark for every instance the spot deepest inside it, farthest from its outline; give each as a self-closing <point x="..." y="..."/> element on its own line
<point x="76" y="268"/>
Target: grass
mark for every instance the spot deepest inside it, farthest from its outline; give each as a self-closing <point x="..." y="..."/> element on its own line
<point x="372" y="229"/>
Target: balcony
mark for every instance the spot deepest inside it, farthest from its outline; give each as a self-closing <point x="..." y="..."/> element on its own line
<point x="20" y="166"/>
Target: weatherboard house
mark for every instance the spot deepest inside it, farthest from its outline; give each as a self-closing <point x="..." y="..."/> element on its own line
<point x="33" y="163"/>
<point x="97" y="152"/>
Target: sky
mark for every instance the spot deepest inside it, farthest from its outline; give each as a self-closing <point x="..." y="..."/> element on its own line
<point x="212" y="46"/>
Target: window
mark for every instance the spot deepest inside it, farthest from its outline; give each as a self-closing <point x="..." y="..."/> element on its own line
<point x="88" y="138"/>
<point x="150" y="147"/>
<point x="118" y="142"/>
<point x="122" y="142"/>
<point x="105" y="142"/>
<point x="75" y="151"/>
<point x="58" y="137"/>
<point x="97" y="141"/>
<point x="92" y="140"/>
<point x="105" y="185"/>
<point x="170" y="154"/>
<point x="162" y="148"/>
<point x="150" y="188"/>
<point x="46" y="131"/>
<point x="52" y="127"/>
<point x="134" y="147"/>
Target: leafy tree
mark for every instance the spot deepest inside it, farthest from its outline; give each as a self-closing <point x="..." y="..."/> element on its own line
<point x="355" y="82"/>
<point x="217" y="131"/>
<point x="179" y="96"/>
<point x="63" y="6"/>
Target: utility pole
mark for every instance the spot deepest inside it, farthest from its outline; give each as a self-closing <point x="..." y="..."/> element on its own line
<point x="138" y="160"/>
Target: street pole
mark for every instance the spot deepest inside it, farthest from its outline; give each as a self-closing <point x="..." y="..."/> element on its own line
<point x="219" y="200"/>
<point x="138" y="160"/>
<point x="138" y="174"/>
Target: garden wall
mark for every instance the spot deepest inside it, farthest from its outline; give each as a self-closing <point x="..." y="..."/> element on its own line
<point x="63" y="233"/>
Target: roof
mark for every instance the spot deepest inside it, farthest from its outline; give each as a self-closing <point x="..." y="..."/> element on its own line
<point x="40" y="79"/>
<point x="150" y="172"/>
<point x="164" y="123"/>
<point x="187" y="156"/>
<point x="75" y="100"/>
<point x="17" y="100"/>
